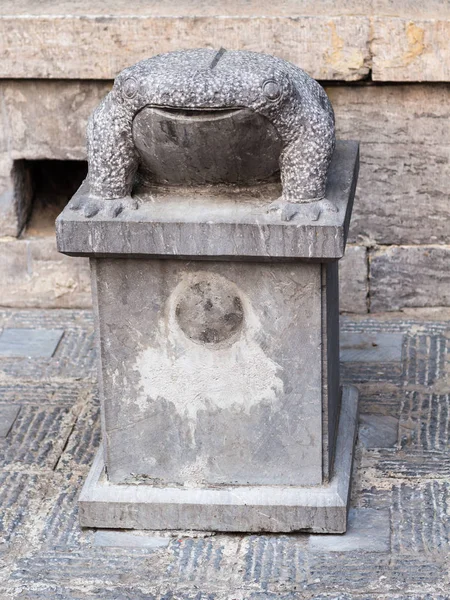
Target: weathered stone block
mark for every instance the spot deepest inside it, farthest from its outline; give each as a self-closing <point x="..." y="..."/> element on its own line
<point x="29" y="343"/>
<point x="243" y="226"/>
<point x="94" y="42"/>
<point x="34" y="274"/>
<point x="16" y="192"/>
<point x="402" y="195"/>
<point x="409" y="277"/>
<point x="47" y="119"/>
<point x="409" y="49"/>
<point x="418" y="114"/>
<point x="353" y="281"/>
<point x="204" y="322"/>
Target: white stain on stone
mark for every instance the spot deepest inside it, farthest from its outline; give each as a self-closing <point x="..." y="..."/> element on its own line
<point x="195" y="377"/>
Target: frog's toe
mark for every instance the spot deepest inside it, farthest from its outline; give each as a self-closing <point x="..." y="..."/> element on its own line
<point x="77" y="203"/>
<point x="276" y="205"/>
<point x="129" y="203"/>
<point x="113" y="208"/>
<point x="117" y="207"/>
<point x="328" y="206"/>
<point x="289" y="209"/>
<point x="91" y="208"/>
<point x="310" y="211"/>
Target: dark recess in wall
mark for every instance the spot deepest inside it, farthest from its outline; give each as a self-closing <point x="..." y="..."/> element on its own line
<point x="54" y="182"/>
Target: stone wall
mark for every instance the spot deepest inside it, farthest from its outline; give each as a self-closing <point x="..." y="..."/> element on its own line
<point x="385" y="68"/>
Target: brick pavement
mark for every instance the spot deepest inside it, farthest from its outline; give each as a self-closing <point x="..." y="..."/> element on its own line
<point x="397" y="546"/>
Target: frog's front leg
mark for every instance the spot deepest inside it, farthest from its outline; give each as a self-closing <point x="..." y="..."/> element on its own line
<point x="303" y="166"/>
<point x="112" y="157"/>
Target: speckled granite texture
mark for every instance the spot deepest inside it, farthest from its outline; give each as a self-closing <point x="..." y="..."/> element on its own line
<point x="295" y="104"/>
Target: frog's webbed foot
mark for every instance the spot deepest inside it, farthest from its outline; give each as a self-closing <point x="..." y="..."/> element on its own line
<point x="90" y="206"/>
<point x="310" y="210"/>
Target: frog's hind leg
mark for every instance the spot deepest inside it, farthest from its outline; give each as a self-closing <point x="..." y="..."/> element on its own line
<point x="303" y="166"/>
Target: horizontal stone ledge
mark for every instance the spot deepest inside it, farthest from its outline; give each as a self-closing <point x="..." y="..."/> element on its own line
<point x="224" y="222"/>
<point x="100" y="46"/>
<point x="36" y="275"/>
<point x="404" y="130"/>
<point x="409" y="277"/>
<point x="411" y="50"/>
<point x="402" y="192"/>
<point x="342" y="41"/>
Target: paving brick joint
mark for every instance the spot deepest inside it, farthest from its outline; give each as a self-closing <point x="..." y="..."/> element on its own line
<point x="398" y="541"/>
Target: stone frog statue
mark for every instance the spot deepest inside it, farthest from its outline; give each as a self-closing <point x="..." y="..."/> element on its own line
<point x="295" y="104"/>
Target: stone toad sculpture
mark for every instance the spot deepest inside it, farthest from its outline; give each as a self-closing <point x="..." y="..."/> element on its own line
<point x="204" y="79"/>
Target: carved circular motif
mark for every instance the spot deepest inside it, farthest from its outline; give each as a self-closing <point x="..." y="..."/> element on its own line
<point x="210" y="311"/>
<point x="271" y="89"/>
<point x="130" y="87"/>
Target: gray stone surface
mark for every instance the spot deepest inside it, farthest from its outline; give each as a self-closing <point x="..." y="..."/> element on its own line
<point x="16" y="193"/>
<point x="368" y="531"/>
<point x="371" y="347"/>
<point x="403" y="180"/>
<point x="389" y="41"/>
<point x="177" y="372"/>
<point x="8" y="415"/>
<point x="395" y="280"/>
<point x="353" y="280"/>
<point x="35" y="275"/>
<point x="273" y="508"/>
<point x="221" y="223"/>
<point x="39" y="343"/>
<point x="122" y="539"/>
<point x="59" y="282"/>
<point x="205" y="147"/>
<point x="377" y="431"/>
<point x="73" y="356"/>
<point x="45" y="554"/>
<point x="37" y="436"/>
<point x="77" y="41"/>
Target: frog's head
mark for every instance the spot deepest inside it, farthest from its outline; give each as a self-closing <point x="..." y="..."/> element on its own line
<point x="206" y="80"/>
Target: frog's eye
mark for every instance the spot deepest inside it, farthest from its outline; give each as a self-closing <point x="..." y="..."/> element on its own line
<point x="130" y="87"/>
<point x="271" y="89"/>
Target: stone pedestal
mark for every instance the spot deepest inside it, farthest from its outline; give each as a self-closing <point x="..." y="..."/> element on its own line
<point x="215" y="289"/>
<point x="219" y="369"/>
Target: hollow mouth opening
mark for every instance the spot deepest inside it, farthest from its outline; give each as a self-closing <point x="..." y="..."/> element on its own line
<point x="196" y="113"/>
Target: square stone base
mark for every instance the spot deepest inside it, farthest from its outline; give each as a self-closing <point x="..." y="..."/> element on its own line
<point x="317" y="509"/>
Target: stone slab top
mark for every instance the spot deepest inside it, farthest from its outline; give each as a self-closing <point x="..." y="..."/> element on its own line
<point x="215" y="221"/>
<point x="29" y="343"/>
<point x="251" y="8"/>
<point x="88" y="39"/>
